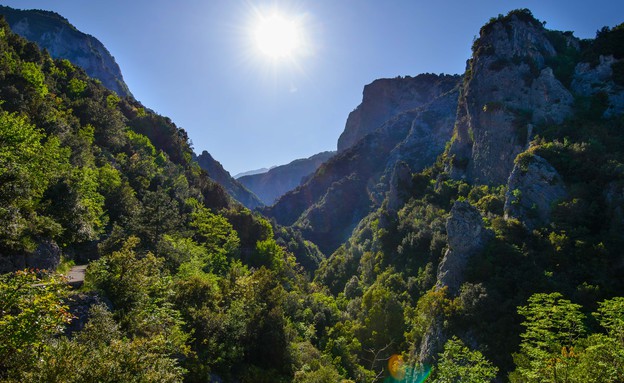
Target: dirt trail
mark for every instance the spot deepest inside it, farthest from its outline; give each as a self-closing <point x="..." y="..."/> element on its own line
<point x="76" y="275"/>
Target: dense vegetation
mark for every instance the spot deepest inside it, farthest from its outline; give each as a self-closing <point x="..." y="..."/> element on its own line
<point x="186" y="285"/>
<point x="188" y="282"/>
<point x="384" y="277"/>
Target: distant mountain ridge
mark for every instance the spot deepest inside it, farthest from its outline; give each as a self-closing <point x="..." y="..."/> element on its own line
<point x="62" y="40"/>
<point x="279" y="180"/>
<point x="252" y="172"/>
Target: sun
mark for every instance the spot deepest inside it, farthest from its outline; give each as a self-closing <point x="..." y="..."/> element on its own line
<point x="278" y="36"/>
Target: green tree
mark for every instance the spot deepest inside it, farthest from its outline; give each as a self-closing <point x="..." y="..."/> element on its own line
<point x="31" y="313"/>
<point x="553" y="327"/>
<point x="602" y="358"/>
<point x="160" y="215"/>
<point x="215" y="233"/>
<point x="32" y="73"/>
<point x="127" y="278"/>
<point x="458" y="364"/>
<point x="29" y="164"/>
<point x="101" y="354"/>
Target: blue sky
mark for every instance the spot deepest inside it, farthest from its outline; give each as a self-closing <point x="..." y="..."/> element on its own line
<point x="196" y="62"/>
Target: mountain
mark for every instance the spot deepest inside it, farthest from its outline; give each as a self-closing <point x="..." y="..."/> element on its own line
<point x="353" y="183"/>
<point x="519" y="81"/>
<point x="519" y="217"/>
<point x="251" y="172"/>
<point x="62" y="40"/>
<point x="79" y="162"/>
<point x="234" y="187"/>
<point x="449" y="260"/>
<point x="385" y="98"/>
<point x="270" y="185"/>
<point x="91" y="177"/>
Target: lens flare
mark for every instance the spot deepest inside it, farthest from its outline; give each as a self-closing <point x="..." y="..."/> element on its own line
<point x="396" y="367"/>
<point x="400" y="372"/>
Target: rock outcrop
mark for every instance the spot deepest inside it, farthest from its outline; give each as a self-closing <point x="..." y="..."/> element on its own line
<point x="385" y="98"/>
<point x="594" y="80"/>
<point x="277" y="181"/>
<point x="508" y="88"/>
<point x="47" y="255"/>
<point x="216" y="171"/>
<point x="399" y="185"/>
<point x="533" y="188"/>
<point x="63" y="41"/>
<point x="466" y="237"/>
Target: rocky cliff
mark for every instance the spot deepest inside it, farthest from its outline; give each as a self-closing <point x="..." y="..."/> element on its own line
<point x="351" y="184"/>
<point x="466" y="236"/>
<point x="522" y="75"/>
<point x="216" y="171"/>
<point x="63" y="41"/>
<point x="533" y="188"/>
<point x="277" y="181"/>
<point x="508" y="88"/>
<point x="385" y="98"/>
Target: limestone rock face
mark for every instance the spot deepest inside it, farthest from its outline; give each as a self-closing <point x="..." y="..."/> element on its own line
<point x="430" y="130"/>
<point x="508" y="88"/>
<point x="590" y="81"/>
<point x="385" y="98"/>
<point x="356" y="180"/>
<point x="466" y="236"/>
<point x="63" y="41"/>
<point x="401" y="178"/>
<point x="46" y="256"/>
<point x="533" y="187"/>
<point x="432" y="343"/>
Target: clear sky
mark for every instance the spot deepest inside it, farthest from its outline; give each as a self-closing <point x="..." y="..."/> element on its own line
<point x="199" y="63"/>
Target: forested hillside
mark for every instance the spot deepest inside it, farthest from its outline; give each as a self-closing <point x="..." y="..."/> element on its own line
<point x="495" y="257"/>
<point x="62" y="40"/>
<point x="461" y="263"/>
<point x="183" y="282"/>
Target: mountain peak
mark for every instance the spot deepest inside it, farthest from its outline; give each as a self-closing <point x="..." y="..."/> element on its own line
<point x="509" y="86"/>
<point x="388" y="97"/>
<point x="62" y="40"/>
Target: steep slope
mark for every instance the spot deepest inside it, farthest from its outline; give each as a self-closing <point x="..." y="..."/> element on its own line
<point x="63" y="41"/>
<point x="385" y="98"/>
<point x="169" y="253"/>
<point x="270" y="185"/>
<point x="79" y="164"/>
<point x="352" y="183"/>
<point x="509" y="88"/>
<point x="236" y="189"/>
<point x="526" y="201"/>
